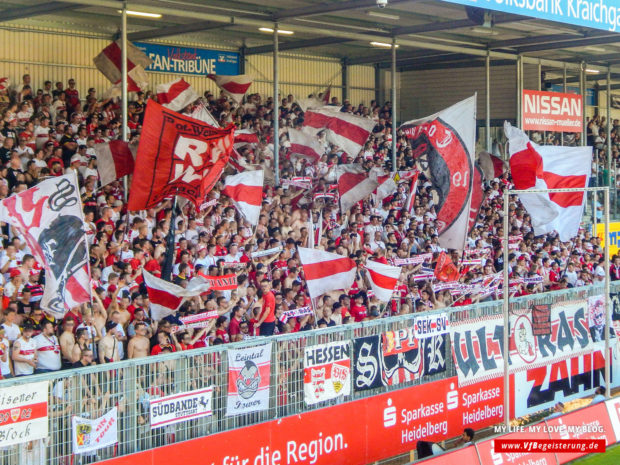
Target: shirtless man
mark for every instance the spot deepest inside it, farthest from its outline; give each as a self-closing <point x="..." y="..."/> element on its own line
<point x="67" y="342"/>
<point x="108" y="345"/>
<point x="139" y="345"/>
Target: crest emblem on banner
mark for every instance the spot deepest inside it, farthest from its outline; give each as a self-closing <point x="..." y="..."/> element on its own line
<point x="318" y="382"/>
<point x="248" y="380"/>
<point x="339" y="376"/>
<point x="15" y="413"/>
<point x="525" y="340"/>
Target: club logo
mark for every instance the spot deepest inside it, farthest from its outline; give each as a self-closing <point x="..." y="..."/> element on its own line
<point x="318" y="382"/>
<point x="248" y="380"/>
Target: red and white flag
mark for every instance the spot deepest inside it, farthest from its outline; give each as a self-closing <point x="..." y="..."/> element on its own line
<point x="412" y="191"/>
<point x="349" y="132"/>
<point x="492" y="167"/>
<point x="354" y="184"/>
<point x="246" y="191"/>
<point x="233" y="86"/>
<point x="387" y="186"/>
<point x="109" y="63"/>
<point x="176" y="95"/>
<point x="5" y="82"/>
<point x="383" y="279"/>
<point x="449" y="140"/>
<point x="306" y="145"/>
<point x="177" y="155"/>
<point x="325" y="271"/>
<point x="549" y="167"/>
<point x="115" y="159"/>
<point x="167" y="297"/>
<point x="49" y="219"/>
<point x="245" y="137"/>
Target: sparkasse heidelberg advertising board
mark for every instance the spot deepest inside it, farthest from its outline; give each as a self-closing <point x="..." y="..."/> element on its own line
<point x="552" y="111"/>
<point x="362" y="431"/>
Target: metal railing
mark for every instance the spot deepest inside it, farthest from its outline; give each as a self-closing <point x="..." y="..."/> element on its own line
<point x="91" y="391"/>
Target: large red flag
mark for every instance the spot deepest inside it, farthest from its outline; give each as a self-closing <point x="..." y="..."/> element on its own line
<point x="178" y="155"/>
<point x="446" y="270"/>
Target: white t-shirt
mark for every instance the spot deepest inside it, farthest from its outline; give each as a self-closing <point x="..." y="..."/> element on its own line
<point x="5" y="367"/>
<point x="27" y="350"/>
<point x="48" y="352"/>
<point x="12" y="332"/>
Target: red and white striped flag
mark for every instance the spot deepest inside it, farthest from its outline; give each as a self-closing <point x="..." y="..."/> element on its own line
<point x="5" y="82"/>
<point x="354" y="184"/>
<point x="109" y="63"/>
<point x="167" y="297"/>
<point x="383" y="279"/>
<point x="115" y="159"/>
<point x="245" y="137"/>
<point x="234" y="86"/>
<point x="349" y="132"/>
<point x="387" y="186"/>
<point x="176" y="95"/>
<point x="305" y="145"/>
<point x="549" y="167"/>
<point x="492" y="167"/>
<point x="246" y="191"/>
<point x="325" y="271"/>
<point x="412" y="191"/>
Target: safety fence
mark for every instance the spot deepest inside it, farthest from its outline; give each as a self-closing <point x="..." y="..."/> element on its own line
<point x="156" y="401"/>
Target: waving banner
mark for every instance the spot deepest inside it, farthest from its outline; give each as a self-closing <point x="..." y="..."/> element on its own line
<point x="249" y="372"/>
<point x="48" y="217"/>
<point x="444" y="145"/>
<point x="90" y="435"/>
<point x="477" y="345"/>
<point x="177" y="155"/>
<point x="327" y="372"/>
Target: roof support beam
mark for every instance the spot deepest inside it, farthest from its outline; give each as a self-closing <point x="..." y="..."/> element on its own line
<point x="296" y="44"/>
<point x="385" y="57"/>
<point x="457" y="24"/>
<point x="589" y="77"/>
<point x="462" y="64"/>
<point x="571" y="44"/>
<point x="176" y="30"/>
<point x="30" y="11"/>
<point x="546" y="39"/>
<point x="324" y="8"/>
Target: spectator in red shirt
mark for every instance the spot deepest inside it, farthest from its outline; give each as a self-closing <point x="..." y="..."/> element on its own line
<point x="359" y="312"/>
<point x="234" y="328"/>
<point x="267" y="319"/>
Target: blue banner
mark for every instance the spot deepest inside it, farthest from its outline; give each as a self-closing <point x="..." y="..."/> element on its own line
<point x="184" y="60"/>
<point x="597" y="14"/>
<point x="591" y="94"/>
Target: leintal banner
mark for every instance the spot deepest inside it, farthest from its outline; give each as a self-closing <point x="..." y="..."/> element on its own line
<point x="186" y="60"/>
<point x="552" y="111"/>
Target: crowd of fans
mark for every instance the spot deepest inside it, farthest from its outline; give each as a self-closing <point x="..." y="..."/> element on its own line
<point x="52" y="130"/>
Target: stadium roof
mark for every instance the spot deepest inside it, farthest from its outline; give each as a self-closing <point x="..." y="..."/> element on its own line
<point x="430" y="33"/>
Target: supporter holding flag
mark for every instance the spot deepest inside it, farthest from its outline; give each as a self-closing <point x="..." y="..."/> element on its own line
<point x="246" y="191"/>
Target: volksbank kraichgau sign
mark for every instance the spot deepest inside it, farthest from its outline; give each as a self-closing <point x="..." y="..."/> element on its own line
<point x="597" y="14"/>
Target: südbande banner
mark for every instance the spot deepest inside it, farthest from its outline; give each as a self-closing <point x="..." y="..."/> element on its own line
<point x="249" y="373"/>
<point x="327" y="371"/>
<point x="181" y="407"/>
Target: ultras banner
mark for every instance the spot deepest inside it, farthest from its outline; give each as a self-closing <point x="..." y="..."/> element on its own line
<point x="477" y="344"/>
<point x="327" y="371"/>
<point x="396" y="357"/>
<point x="249" y="372"/>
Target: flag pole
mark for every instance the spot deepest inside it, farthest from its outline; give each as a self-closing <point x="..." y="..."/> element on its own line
<point x="124" y="87"/>
<point x="167" y="271"/>
<point x="393" y="104"/>
<point x="506" y="308"/>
